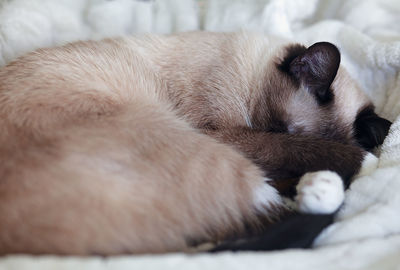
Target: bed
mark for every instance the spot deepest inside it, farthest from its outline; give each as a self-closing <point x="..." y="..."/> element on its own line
<point x="366" y="233"/>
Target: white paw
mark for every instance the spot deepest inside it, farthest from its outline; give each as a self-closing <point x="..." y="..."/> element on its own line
<point x="319" y="192"/>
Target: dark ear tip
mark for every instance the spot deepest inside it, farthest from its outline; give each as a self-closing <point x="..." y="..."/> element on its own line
<point x="325" y="44"/>
<point x="328" y="48"/>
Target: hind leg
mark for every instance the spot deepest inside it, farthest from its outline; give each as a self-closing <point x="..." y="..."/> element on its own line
<point x="142" y="181"/>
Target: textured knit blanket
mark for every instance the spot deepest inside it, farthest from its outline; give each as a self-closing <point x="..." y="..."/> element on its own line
<point x="366" y="234"/>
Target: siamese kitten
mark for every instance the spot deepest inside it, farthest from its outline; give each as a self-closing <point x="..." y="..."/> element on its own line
<point x="149" y="144"/>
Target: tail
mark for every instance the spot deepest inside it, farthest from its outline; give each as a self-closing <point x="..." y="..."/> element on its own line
<point x="296" y="231"/>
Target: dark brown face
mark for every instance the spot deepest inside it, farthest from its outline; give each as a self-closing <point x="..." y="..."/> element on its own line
<point x="306" y="101"/>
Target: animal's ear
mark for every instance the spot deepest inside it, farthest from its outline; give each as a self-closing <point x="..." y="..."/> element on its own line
<point x="370" y="129"/>
<point x="316" y="69"/>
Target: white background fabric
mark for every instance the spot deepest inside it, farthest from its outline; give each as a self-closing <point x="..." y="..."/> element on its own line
<point x="367" y="232"/>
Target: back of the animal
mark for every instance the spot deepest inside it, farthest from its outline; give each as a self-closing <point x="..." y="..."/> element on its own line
<point x="93" y="161"/>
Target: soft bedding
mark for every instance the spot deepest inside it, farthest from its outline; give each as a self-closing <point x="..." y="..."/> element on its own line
<point x="366" y="234"/>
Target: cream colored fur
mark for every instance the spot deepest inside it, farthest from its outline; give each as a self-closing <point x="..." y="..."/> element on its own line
<point x="101" y="149"/>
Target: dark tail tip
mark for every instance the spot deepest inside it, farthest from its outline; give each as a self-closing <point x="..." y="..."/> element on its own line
<point x="295" y="231"/>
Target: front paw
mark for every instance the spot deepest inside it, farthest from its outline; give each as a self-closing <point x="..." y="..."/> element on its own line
<point x="319" y="192"/>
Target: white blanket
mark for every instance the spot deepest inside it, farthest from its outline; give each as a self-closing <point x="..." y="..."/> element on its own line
<point x="366" y="234"/>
